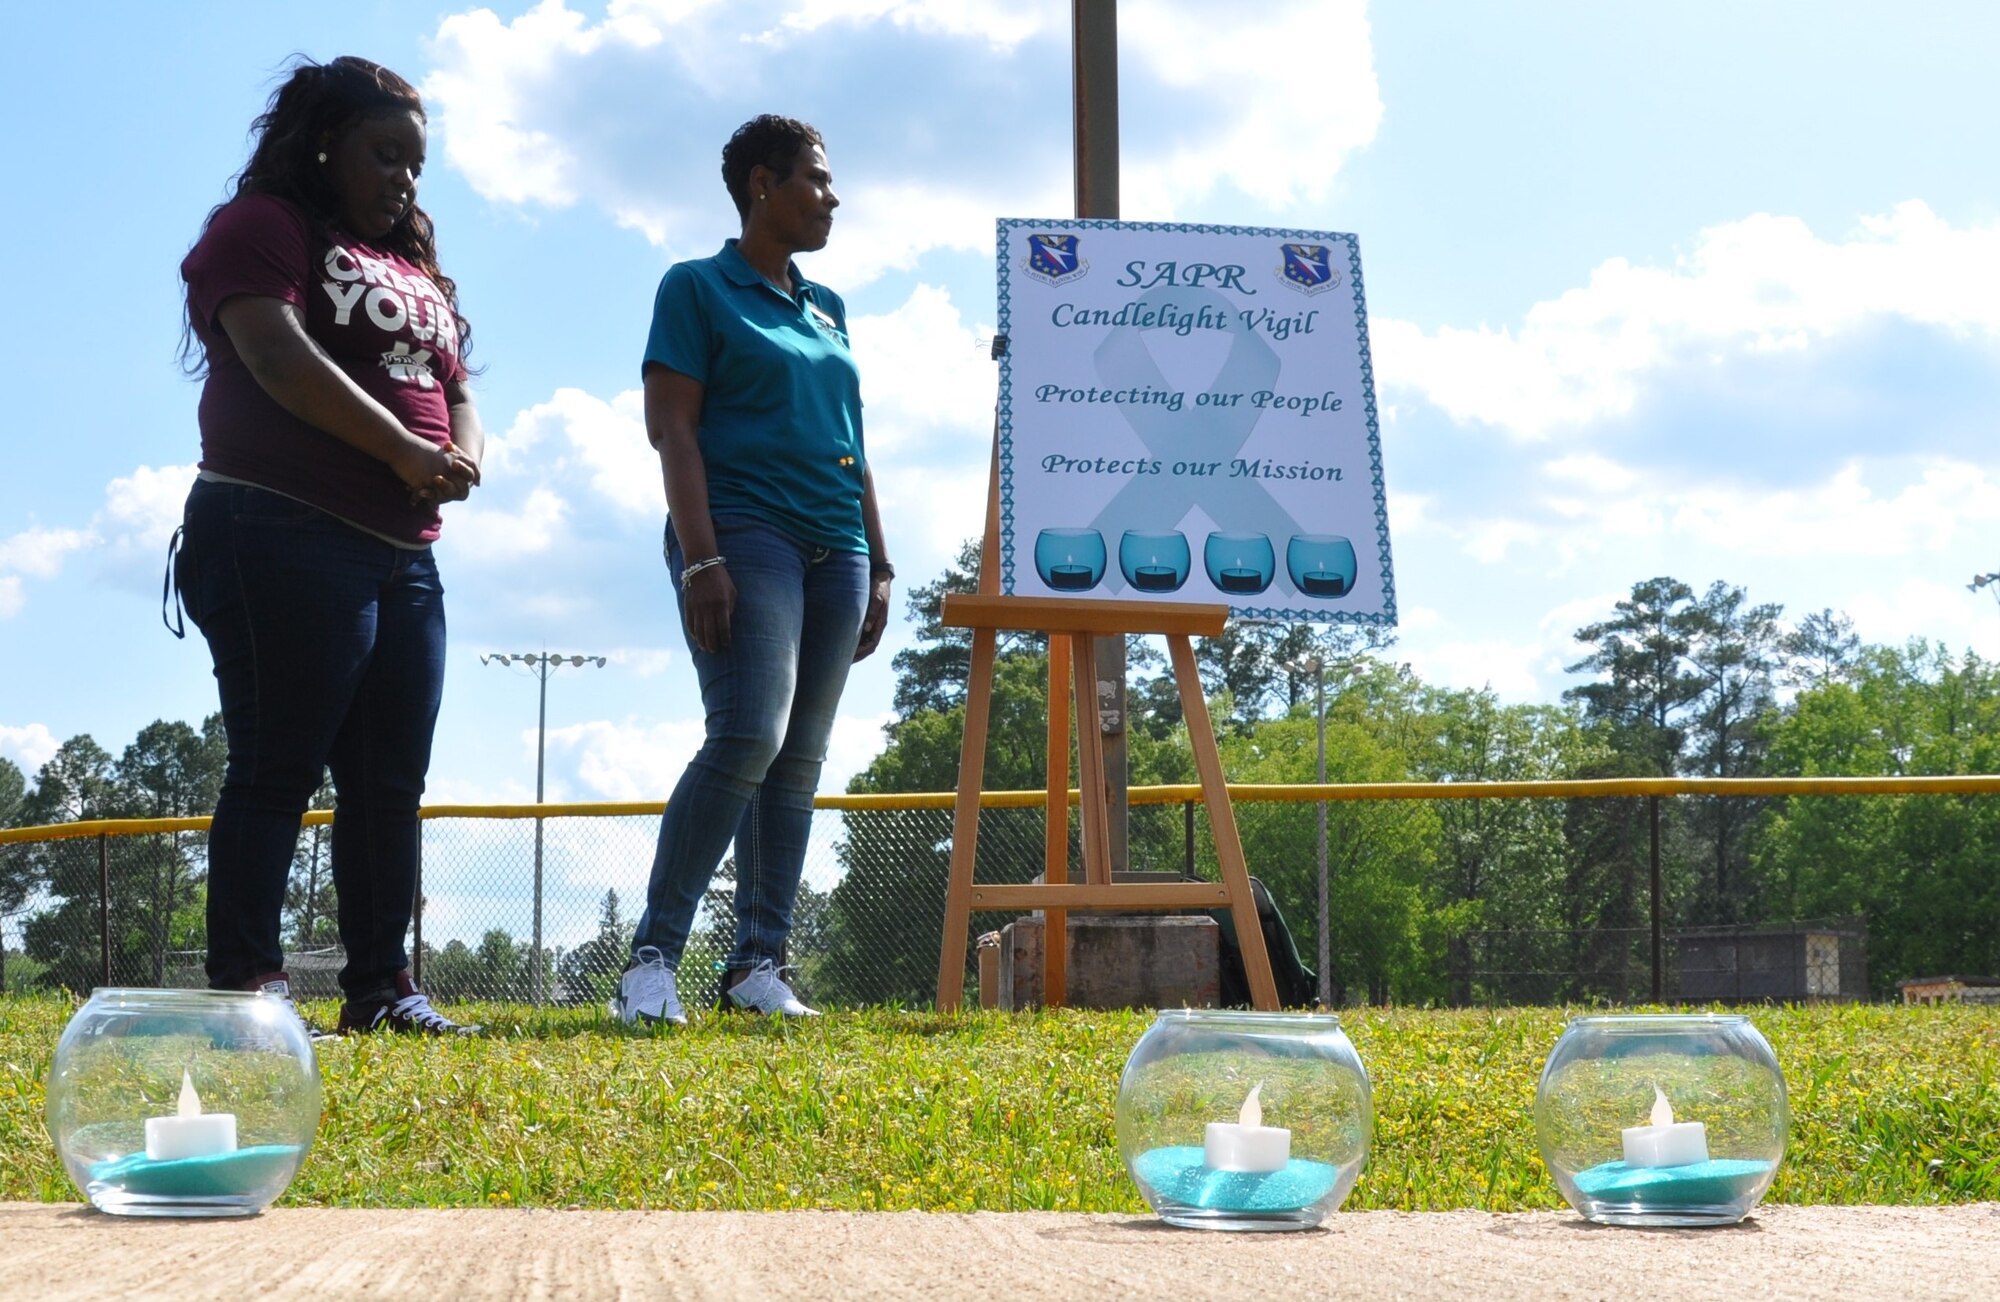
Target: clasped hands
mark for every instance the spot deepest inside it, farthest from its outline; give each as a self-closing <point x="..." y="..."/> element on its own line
<point x="439" y="474"/>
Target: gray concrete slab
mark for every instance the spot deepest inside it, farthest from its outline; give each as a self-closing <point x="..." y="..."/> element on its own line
<point x="53" y="1251"/>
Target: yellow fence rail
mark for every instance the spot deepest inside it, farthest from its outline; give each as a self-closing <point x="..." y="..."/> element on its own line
<point x="1984" y="784"/>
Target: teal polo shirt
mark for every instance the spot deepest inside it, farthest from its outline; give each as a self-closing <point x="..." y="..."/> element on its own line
<point x="781" y="404"/>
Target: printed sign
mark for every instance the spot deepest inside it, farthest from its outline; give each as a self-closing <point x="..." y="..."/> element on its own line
<point x="1187" y="413"/>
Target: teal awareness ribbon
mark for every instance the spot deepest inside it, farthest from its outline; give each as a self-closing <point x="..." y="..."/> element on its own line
<point x="1194" y="433"/>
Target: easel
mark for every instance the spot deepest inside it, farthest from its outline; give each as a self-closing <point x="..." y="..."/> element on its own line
<point x="1070" y="624"/>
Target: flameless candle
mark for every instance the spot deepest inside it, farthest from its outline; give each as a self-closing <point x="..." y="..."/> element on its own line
<point x="1666" y="1142"/>
<point x="191" y="1133"/>
<point x="1247" y="1144"/>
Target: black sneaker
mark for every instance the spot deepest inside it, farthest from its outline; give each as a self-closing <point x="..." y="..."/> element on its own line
<point x="278" y="985"/>
<point x="401" y="1007"/>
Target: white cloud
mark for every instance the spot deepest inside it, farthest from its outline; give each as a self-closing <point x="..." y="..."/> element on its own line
<point x="923" y="367"/>
<point x="1759" y="285"/>
<point x="1511" y="669"/>
<point x="39" y="553"/>
<point x="1002" y="26"/>
<point x="12" y="596"/>
<point x="1286" y="141"/>
<point x="1846" y="515"/>
<point x="485" y="534"/>
<point x="644" y="662"/>
<point x="30" y="746"/>
<point x="607" y="439"/>
<point x="855" y="743"/>
<point x="626" y="761"/>
<point x="520" y="109"/>
<point x="143" y="509"/>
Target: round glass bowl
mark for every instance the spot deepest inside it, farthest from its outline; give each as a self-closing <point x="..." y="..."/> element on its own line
<point x="1672" y="1119"/>
<point x="1240" y="564"/>
<point x="1070" y="560"/>
<point x="1244" y="1121"/>
<point x="183" y="1102"/>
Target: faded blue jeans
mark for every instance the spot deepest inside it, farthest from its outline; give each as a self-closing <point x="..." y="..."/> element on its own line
<point x="329" y="655"/>
<point x="770" y="697"/>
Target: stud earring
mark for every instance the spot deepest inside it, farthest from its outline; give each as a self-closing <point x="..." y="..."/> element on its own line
<point x="322" y="155"/>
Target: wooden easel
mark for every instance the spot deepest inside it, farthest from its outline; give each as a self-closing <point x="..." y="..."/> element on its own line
<point x="1070" y="624"/>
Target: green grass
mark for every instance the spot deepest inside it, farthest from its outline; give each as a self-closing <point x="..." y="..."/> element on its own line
<point x="886" y="1110"/>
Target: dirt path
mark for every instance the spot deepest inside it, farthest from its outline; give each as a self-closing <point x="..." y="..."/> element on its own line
<point x="1782" y="1252"/>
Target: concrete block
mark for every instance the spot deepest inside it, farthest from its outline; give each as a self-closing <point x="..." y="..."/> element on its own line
<point x="1117" y="961"/>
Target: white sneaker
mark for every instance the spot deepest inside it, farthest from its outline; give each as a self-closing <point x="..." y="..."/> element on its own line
<point x="646" y="992"/>
<point x="764" y="991"/>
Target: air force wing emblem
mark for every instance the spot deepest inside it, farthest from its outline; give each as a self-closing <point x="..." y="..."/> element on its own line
<point x="1054" y="259"/>
<point x="1308" y="268"/>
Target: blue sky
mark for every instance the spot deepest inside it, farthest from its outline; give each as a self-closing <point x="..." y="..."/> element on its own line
<point x="1709" y="290"/>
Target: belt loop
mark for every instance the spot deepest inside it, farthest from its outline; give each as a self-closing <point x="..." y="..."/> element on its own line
<point x="170" y="591"/>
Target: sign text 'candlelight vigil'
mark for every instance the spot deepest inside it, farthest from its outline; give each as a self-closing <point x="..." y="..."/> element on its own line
<point x="1180" y="427"/>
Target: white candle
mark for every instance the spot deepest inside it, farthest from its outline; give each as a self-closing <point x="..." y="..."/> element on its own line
<point x="1666" y="1142"/>
<point x="1247" y="1144"/>
<point x="192" y="1132"/>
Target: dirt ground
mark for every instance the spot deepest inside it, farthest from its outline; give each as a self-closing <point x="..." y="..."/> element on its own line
<point x="54" y="1251"/>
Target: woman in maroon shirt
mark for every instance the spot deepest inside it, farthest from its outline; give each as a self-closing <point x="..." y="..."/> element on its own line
<point x="334" y="421"/>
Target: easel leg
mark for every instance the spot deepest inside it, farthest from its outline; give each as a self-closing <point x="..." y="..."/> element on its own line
<point x="1090" y="767"/>
<point x="1222" y="822"/>
<point x="965" y="824"/>
<point x="1055" y="836"/>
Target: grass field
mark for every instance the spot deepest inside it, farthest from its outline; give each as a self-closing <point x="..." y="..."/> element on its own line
<point x="896" y="1110"/>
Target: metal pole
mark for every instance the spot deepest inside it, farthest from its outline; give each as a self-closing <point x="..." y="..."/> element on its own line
<point x="104" y="904"/>
<point x="1187" y="820"/>
<point x="1094" y="68"/>
<point x="1325" y="911"/>
<point x="1659" y="968"/>
<point x="543" y="670"/>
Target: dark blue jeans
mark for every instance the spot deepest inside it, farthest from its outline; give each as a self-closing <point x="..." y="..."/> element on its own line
<point x="329" y="651"/>
<point x="770" y="697"/>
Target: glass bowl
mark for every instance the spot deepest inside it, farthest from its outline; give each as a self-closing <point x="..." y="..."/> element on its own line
<point x="1244" y="1121"/>
<point x="183" y="1102"/>
<point x="1666" y="1119"/>
<point x="1154" y="562"/>
<point x="1070" y="560"/>
<point x="1241" y="564"/>
<point x="1320" y="565"/>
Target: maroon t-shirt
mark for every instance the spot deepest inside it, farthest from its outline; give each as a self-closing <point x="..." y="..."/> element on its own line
<point x="377" y="316"/>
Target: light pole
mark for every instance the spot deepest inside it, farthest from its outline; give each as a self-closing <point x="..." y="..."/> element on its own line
<point x="542" y="666"/>
<point x="1316" y="666"/>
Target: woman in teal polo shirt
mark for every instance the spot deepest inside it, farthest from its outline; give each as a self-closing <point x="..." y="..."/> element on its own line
<point x="775" y="549"/>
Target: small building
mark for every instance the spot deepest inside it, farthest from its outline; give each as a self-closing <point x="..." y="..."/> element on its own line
<point x="1950" y="990"/>
<point x="1790" y="963"/>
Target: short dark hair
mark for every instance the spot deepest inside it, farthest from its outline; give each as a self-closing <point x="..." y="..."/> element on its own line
<point x="766" y="140"/>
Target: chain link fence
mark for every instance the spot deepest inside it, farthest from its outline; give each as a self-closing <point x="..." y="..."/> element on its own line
<point x="541" y="910"/>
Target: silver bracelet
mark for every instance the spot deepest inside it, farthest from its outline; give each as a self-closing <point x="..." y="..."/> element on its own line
<point x="693" y="568"/>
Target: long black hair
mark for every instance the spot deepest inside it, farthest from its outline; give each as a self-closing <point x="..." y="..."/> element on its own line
<point x="314" y="105"/>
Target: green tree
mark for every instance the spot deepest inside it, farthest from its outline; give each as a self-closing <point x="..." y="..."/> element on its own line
<point x="1920" y="869"/>
<point x="17" y="876"/>
<point x="1735" y="650"/>
<point x="312" y="909"/>
<point x="589" y="973"/>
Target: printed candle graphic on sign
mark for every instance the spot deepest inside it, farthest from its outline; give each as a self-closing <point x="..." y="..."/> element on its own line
<point x="1211" y="382"/>
<point x="1154" y="562"/>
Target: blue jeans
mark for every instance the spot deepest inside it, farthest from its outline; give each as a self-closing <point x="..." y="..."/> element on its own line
<point x="770" y="696"/>
<point x="329" y="651"/>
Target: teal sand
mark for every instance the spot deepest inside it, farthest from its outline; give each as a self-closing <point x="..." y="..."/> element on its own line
<point x="1182" y="1175"/>
<point x="1716" y="1182"/>
<point x="220" y="1175"/>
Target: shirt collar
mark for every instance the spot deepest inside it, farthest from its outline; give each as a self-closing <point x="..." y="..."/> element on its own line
<point x="731" y="262"/>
